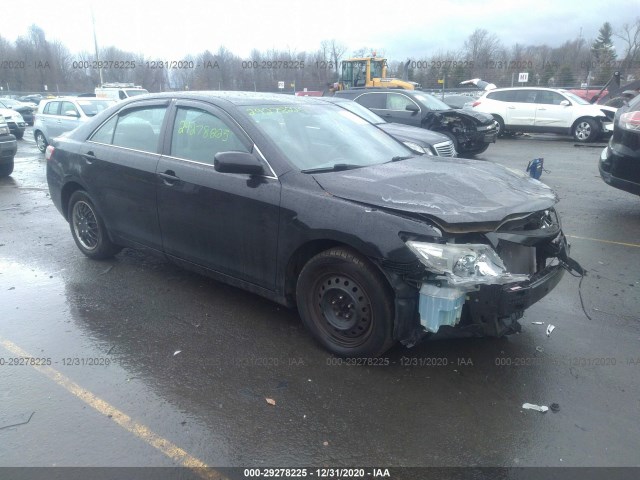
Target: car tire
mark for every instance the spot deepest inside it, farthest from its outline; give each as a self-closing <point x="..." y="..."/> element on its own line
<point x="6" y="169"/>
<point x="19" y="135"/>
<point x="477" y="151"/>
<point x="346" y="304"/>
<point x="585" y="130"/>
<point x="500" y="128"/>
<point x="41" y="141"/>
<point x="88" y="229"/>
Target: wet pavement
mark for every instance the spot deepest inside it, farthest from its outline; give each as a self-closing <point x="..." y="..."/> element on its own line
<point x="140" y="363"/>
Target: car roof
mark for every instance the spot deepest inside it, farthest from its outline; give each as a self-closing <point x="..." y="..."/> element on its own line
<point x="527" y="88"/>
<point x="236" y="98"/>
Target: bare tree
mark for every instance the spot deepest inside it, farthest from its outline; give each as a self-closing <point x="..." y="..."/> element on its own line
<point x="630" y="35"/>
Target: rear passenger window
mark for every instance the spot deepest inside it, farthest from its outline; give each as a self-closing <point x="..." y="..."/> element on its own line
<point x="524" y="96"/>
<point x="198" y="135"/>
<point x="139" y="129"/>
<point x="373" y="100"/>
<point x="51" y="108"/>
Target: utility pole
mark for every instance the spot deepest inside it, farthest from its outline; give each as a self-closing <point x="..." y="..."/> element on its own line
<point x="95" y="43"/>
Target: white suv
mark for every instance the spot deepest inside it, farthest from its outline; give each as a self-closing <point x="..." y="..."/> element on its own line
<point x="545" y="110"/>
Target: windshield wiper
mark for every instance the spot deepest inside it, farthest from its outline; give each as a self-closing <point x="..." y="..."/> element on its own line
<point x="397" y="159"/>
<point x="334" y="168"/>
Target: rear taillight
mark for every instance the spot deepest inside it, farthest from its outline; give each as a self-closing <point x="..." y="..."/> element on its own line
<point x="476" y="103"/>
<point x="630" y="121"/>
<point x="49" y="152"/>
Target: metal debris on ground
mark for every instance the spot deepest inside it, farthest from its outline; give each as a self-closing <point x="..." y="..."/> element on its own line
<point x="176" y="352"/>
<point x="537" y="323"/>
<point x="554" y="407"/>
<point x="532" y="406"/>
<point x="540" y="349"/>
<point x="18" y="424"/>
<point x="550" y="328"/>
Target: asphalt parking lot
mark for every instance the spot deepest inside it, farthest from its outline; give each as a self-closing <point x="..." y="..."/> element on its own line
<point x="140" y="363"/>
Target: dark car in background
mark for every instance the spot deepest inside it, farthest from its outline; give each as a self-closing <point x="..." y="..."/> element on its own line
<point x="310" y="205"/>
<point x="25" y="110"/>
<point x="471" y="132"/>
<point x="417" y="139"/>
<point x="620" y="161"/>
<point x="8" y="148"/>
<point x="15" y="122"/>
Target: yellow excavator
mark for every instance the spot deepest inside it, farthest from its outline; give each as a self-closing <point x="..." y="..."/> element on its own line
<point x="368" y="72"/>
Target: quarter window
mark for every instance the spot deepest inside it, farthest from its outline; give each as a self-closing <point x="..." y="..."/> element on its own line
<point x="198" y="135"/>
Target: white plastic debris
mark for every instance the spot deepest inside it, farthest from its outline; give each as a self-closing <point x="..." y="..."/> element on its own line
<point x="550" y="328"/>
<point x="537" y="323"/>
<point x="176" y="352"/>
<point x="539" y="408"/>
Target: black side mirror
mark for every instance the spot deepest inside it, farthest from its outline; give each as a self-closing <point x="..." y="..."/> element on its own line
<point x="412" y="108"/>
<point x="237" y="162"/>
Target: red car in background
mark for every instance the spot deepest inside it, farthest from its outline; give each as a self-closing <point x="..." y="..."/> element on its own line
<point x="589" y="94"/>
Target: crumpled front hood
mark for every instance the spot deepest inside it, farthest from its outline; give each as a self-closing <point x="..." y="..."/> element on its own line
<point x="454" y="191"/>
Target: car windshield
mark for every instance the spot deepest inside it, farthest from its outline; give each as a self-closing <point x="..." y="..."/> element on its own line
<point x="361" y="111"/>
<point x="94" y="107"/>
<point x="431" y="102"/>
<point x="323" y="136"/>
<point x="576" y="99"/>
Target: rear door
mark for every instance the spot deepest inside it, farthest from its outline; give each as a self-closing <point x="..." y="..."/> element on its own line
<point x="120" y="162"/>
<point x="521" y="110"/>
<point x="226" y="222"/>
<point x="49" y="120"/>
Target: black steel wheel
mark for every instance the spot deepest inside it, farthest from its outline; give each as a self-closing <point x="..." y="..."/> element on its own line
<point x="346" y="304"/>
<point x="88" y="229"/>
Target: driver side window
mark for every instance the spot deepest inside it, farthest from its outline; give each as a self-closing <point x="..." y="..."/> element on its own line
<point x="198" y="135"/>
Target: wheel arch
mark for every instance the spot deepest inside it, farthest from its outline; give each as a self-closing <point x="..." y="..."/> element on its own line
<point x="65" y="195"/>
<point x="305" y="252"/>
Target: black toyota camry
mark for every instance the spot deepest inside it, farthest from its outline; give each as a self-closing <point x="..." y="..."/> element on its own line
<point x="309" y="205"/>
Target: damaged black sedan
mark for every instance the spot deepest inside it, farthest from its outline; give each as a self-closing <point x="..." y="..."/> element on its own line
<point x="471" y="132"/>
<point x="309" y="205"/>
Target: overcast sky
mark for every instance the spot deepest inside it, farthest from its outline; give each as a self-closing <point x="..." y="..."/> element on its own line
<point x="171" y="29"/>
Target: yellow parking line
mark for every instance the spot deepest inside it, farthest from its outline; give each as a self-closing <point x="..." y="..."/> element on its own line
<point x="172" y="451"/>
<point x="606" y="241"/>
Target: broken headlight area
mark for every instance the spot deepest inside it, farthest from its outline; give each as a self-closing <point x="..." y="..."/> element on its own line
<point x="482" y="289"/>
<point x="463" y="265"/>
